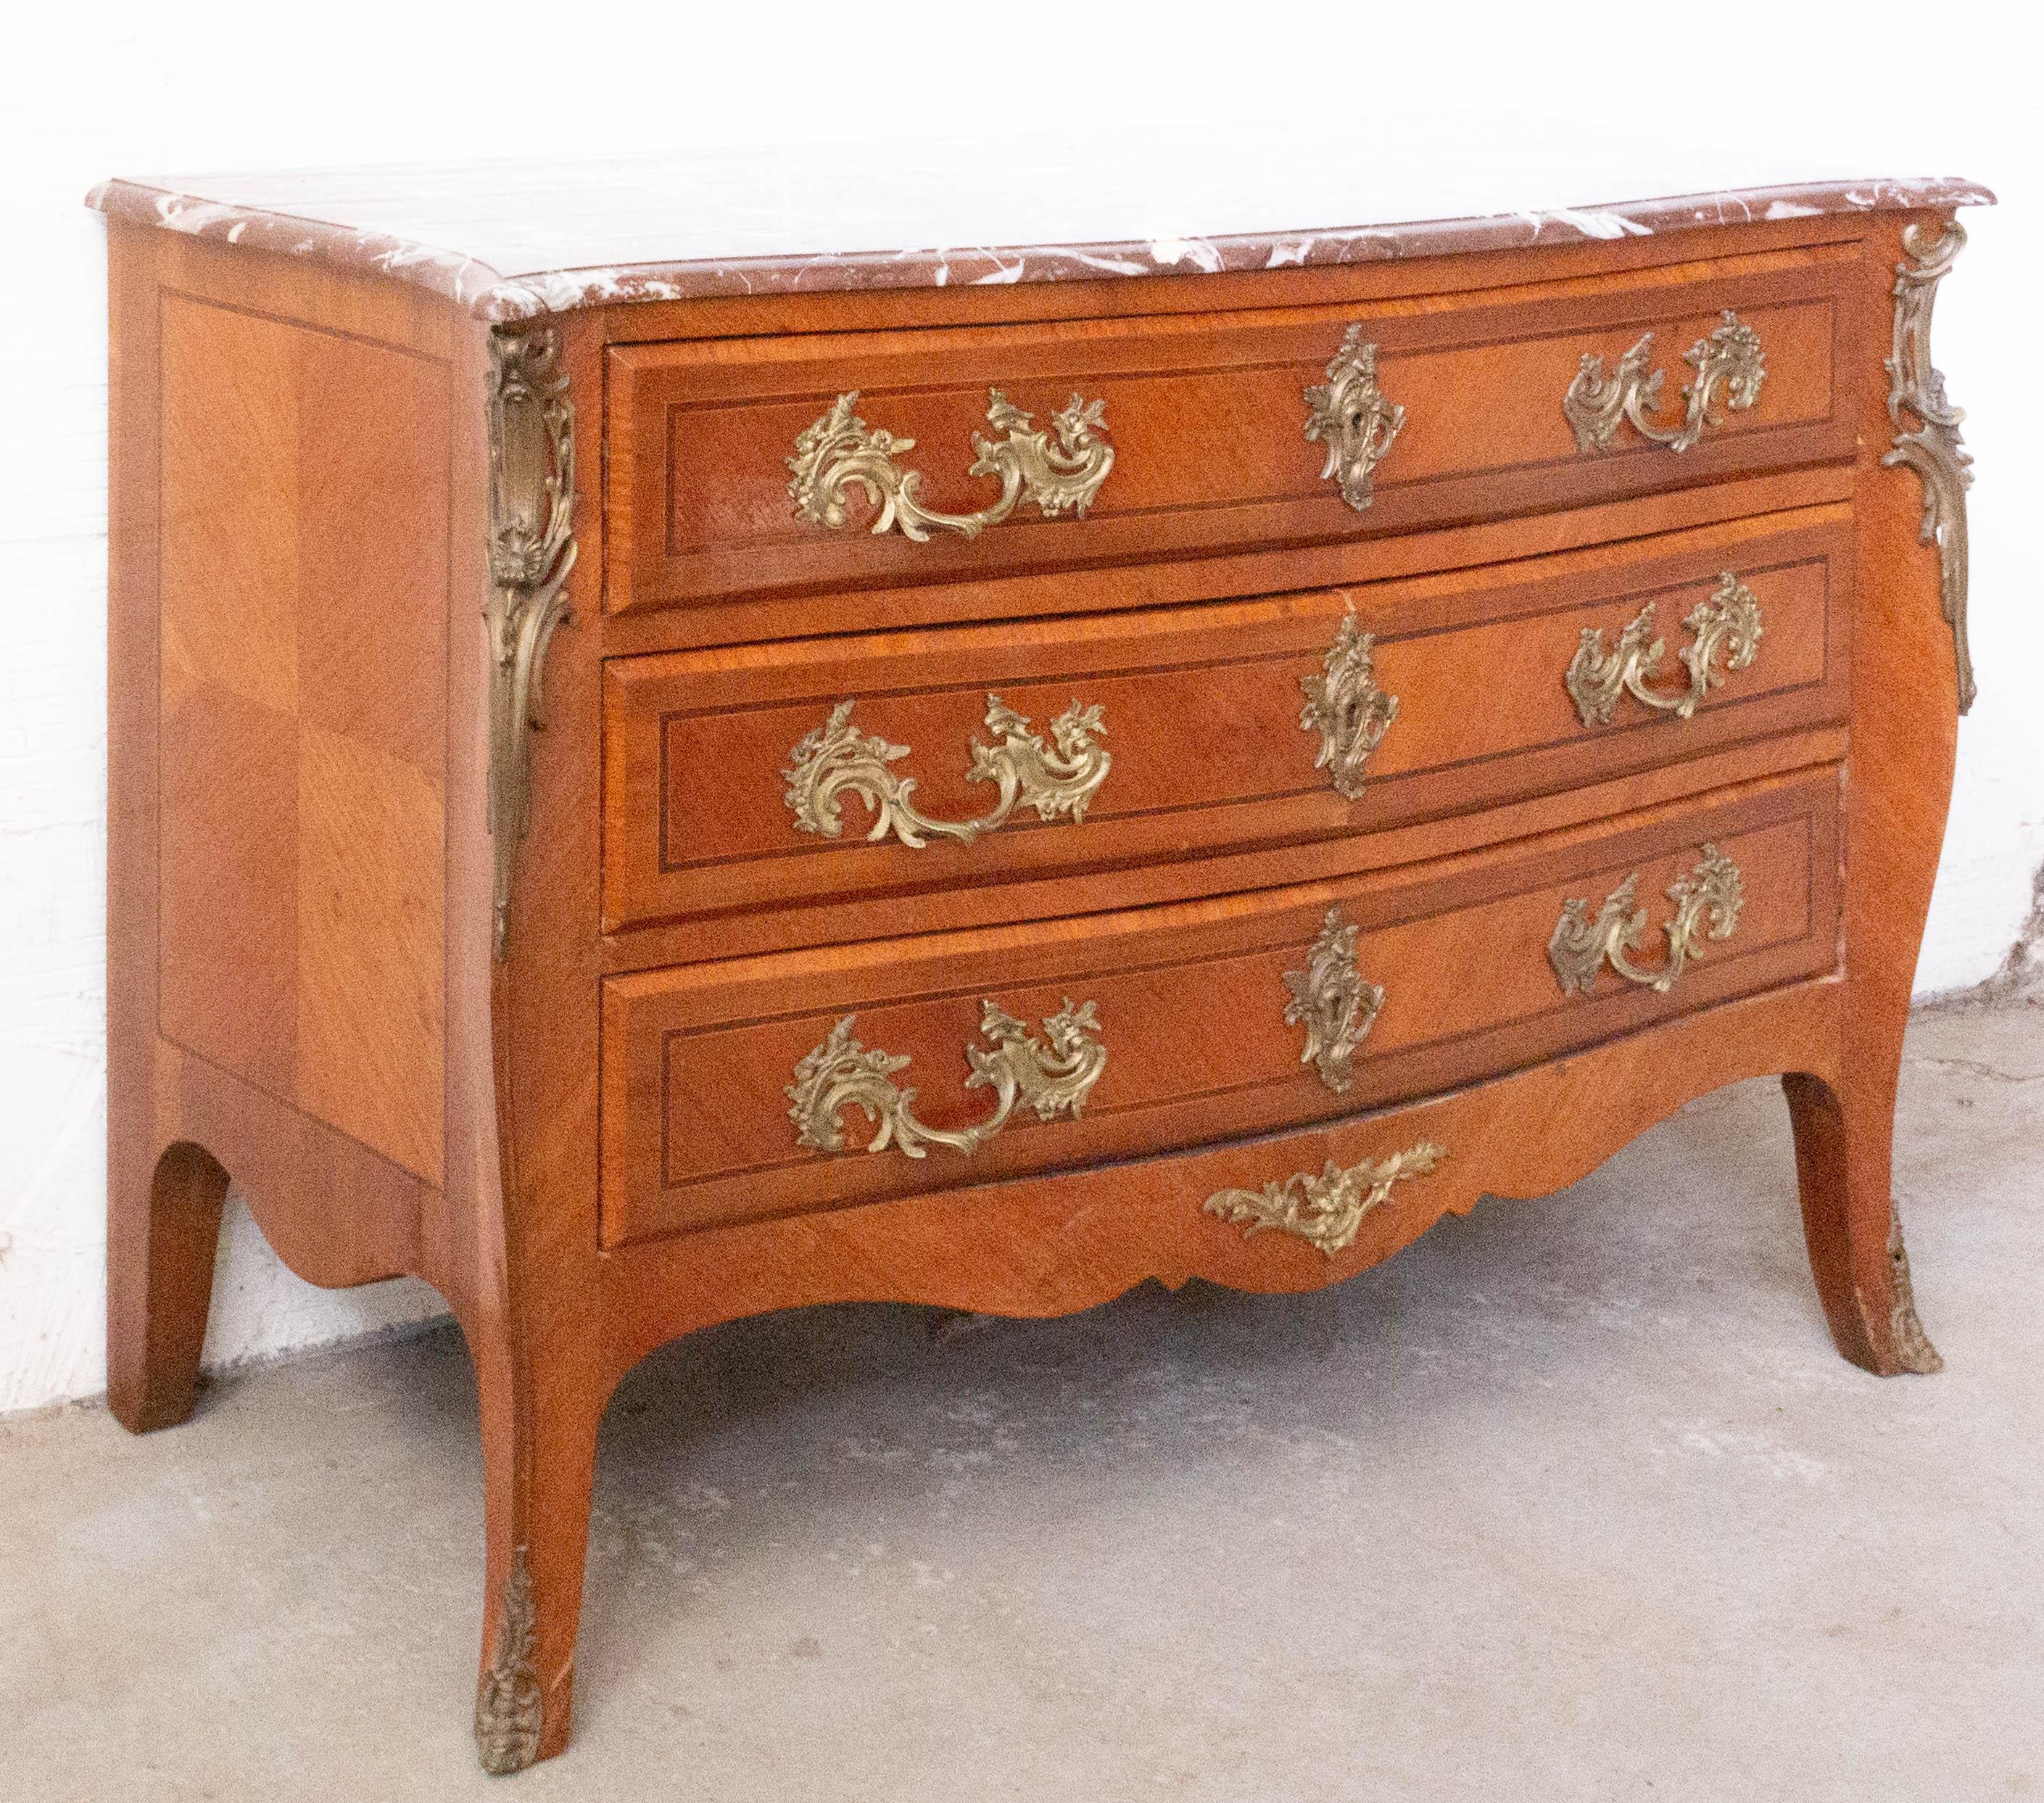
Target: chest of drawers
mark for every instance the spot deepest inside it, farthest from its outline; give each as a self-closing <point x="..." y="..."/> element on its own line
<point x="647" y="791"/>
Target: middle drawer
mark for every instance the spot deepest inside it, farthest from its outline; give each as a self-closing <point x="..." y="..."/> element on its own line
<point x="934" y="764"/>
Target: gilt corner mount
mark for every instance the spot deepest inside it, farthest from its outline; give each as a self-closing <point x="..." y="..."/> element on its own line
<point x="1927" y="427"/>
<point x="531" y="550"/>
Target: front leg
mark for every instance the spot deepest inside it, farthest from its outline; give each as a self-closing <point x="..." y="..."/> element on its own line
<point x="538" y="1449"/>
<point x="1843" y="1156"/>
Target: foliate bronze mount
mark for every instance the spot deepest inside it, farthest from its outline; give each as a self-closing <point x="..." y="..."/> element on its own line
<point x="1707" y="906"/>
<point x="1053" y="1076"/>
<point x="1325" y="1211"/>
<point x="1927" y="427"/>
<point x="1728" y="361"/>
<point x="841" y="453"/>
<point x="1352" y="417"/>
<point x="836" y="757"/>
<point x="1331" y="1000"/>
<point x="508" y="1700"/>
<point x="1727" y="624"/>
<point x="1347" y="708"/>
<point x="531" y="550"/>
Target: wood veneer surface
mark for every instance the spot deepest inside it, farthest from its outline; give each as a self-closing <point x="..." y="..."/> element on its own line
<point x="585" y="1144"/>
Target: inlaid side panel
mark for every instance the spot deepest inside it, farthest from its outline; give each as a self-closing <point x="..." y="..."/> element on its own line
<point x="303" y="717"/>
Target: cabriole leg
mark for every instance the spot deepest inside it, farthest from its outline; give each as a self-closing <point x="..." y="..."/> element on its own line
<point x="1843" y="1148"/>
<point x="540" y="1460"/>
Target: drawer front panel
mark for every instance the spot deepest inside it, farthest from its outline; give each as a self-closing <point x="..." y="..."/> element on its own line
<point x="1197" y="746"/>
<point x="1122" y="1035"/>
<point x="1207" y="420"/>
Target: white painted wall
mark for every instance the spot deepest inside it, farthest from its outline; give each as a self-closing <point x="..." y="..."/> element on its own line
<point x="125" y="88"/>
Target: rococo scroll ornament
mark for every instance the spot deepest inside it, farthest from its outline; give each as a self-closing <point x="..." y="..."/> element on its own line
<point x="1727" y="362"/>
<point x="1727" y="624"/>
<point x="1327" y="1210"/>
<point x="1346" y="707"/>
<point x="1331" y="1000"/>
<point x="1352" y="418"/>
<point x="531" y="550"/>
<point x="1053" y="1076"/>
<point x="1927" y="427"/>
<point x="1707" y="906"/>
<point x="509" y="1701"/>
<point x="840" y="452"/>
<point x="835" y="757"/>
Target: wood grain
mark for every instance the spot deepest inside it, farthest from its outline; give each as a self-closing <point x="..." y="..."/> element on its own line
<point x="1191" y="1002"/>
<point x="305" y="542"/>
<point x="1207" y="415"/>
<point x="1201" y="708"/>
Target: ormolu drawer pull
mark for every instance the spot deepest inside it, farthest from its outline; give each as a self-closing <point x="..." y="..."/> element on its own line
<point x="836" y="757"/>
<point x="1346" y="707"/>
<point x="1352" y="418"/>
<point x="1729" y="358"/>
<point x="1325" y="1211"/>
<point x="841" y="1073"/>
<point x="1706" y="905"/>
<point x="840" y="452"/>
<point x="1728" y="622"/>
<point x="1333" y="1002"/>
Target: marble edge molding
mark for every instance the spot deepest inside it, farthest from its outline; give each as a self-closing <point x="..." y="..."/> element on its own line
<point x="499" y="299"/>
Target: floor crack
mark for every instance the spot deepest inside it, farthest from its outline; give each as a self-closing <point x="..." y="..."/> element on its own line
<point x="1974" y="1066"/>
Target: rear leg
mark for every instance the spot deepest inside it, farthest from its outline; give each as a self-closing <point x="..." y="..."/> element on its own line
<point x="162" y="1234"/>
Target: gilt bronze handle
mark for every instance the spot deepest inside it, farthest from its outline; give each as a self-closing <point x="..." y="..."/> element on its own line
<point x="1054" y="1075"/>
<point x="1059" y="779"/>
<point x="1728" y="360"/>
<point x="1727" y="623"/>
<point x="1707" y="906"/>
<point x="840" y="452"/>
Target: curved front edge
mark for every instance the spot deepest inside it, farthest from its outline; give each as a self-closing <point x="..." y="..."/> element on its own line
<point x="1902" y="740"/>
<point x="1058" y="1243"/>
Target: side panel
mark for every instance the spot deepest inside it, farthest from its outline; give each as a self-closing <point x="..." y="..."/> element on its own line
<point x="301" y="718"/>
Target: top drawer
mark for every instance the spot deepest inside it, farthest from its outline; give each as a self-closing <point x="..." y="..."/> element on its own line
<point x="1195" y="438"/>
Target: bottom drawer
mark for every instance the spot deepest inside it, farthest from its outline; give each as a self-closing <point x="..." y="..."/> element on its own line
<point x="826" y="1078"/>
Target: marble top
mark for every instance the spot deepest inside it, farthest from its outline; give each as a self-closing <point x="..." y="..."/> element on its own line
<point x="517" y="240"/>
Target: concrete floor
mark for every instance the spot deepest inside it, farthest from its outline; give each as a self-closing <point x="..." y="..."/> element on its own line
<point x="1572" y="1499"/>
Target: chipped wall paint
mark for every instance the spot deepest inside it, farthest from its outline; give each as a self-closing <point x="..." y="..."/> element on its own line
<point x="241" y="86"/>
